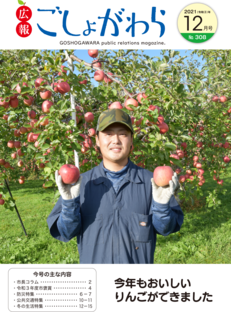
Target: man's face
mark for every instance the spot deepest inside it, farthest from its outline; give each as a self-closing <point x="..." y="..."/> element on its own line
<point x="115" y="142"/>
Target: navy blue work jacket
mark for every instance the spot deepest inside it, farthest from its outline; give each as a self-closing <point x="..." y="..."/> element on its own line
<point x="115" y="228"/>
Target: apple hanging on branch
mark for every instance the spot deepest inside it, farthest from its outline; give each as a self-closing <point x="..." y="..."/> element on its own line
<point x="93" y="53"/>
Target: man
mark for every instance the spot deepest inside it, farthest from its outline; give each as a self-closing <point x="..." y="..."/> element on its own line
<point x="115" y="209"/>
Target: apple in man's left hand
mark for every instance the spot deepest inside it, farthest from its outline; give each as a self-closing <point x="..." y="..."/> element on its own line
<point x="162" y="194"/>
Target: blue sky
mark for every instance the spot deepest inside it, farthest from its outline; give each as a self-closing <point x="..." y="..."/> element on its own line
<point x="83" y="54"/>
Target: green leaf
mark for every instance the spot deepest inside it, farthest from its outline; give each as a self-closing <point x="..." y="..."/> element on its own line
<point x="33" y="60"/>
<point x="172" y="53"/>
<point x="186" y="137"/>
<point x="47" y="170"/>
<point x="20" y="2"/>
<point x="180" y="88"/>
<point x="197" y="86"/>
<point x="166" y="58"/>
<point x="164" y="65"/>
<point x="170" y="146"/>
<point x="50" y="59"/>
<point x="48" y="183"/>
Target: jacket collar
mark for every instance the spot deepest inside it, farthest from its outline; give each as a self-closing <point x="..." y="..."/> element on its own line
<point x="99" y="175"/>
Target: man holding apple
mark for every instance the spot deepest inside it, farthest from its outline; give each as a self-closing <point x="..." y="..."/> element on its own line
<point x="115" y="209"/>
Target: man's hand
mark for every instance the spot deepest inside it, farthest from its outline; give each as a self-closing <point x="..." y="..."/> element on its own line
<point x="163" y="194"/>
<point x="67" y="191"/>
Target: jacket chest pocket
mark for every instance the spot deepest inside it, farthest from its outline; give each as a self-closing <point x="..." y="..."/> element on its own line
<point x="141" y="227"/>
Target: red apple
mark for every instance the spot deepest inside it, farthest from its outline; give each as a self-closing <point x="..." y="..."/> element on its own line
<point x="23" y="130"/>
<point x="107" y="79"/>
<point x="130" y="102"/>
<point x="31" y="114"/>
<point x="14" y="155"/>
<point x="7" y="164"/>
<point x="89" y="117"/>
<point x="184" y="145"/>
<point x="226" y="159"/>
<point x="132" y="119"/>
<point x="83" y="82"/>
<point x="17" y="133"/>
<point x="215" y="98"/>
<point x="84" y="149"/>
<point x="63" y="70"/>
<point x="138" y="122"/>
<point x="99" y="75"/>
<point x="4" y="103"/>
<point x="226" y="145"/>
<point x="93" y="53"/>
<point x="181" y="155"/>
<point x="46" y="105"/>
<point x="45" y="122"/>
<point x="18" y="88"/>
<point x="160" y="120"/>
<point x="54" y="86"/>
<point x="30" y="137"/>
<point x="10" y="144"/>
<point x="2" y="162"/>
<point x="115" y="105"/>
<point x="162" y="175"/>
<point x="45" y="95"/>
<point x="91" y="132"/>
<point x="32" y="123"/>
<point x="79" y="117"/>
<point x="35" y="136"/>
<point x="17" y="144"/>
<point x="201" y="171"/>
<point x="141" y="96"/>
<point x="39" y="82"/>
<point x="19" y="152"/>
<point x="14" y="103"/>
<point x="174" y="156"/>
<point x="223" y="98"/>
<point x="69" y="173"/>
<point x="20" y="163"/>
<point x="28" y="101"/>
<point x="63" y="87"/>
<point x="96" y="63"/>
<point x="2" y="201"/>
<point x="87" y="143"/>
<point x="21" y="181"/>
<point x="199" y="144"/>
<point x="153" y="107"/>
<point x="163" y="127"/>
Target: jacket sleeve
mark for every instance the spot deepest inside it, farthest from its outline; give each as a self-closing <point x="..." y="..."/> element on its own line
<point x="167" y="218"/>
<point x="64" y="221"/>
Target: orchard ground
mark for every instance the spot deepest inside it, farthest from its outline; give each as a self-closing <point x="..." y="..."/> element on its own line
<point x="203" y="238"/>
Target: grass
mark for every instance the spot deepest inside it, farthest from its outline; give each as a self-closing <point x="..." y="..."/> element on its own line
<point x="205" y="236"/>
